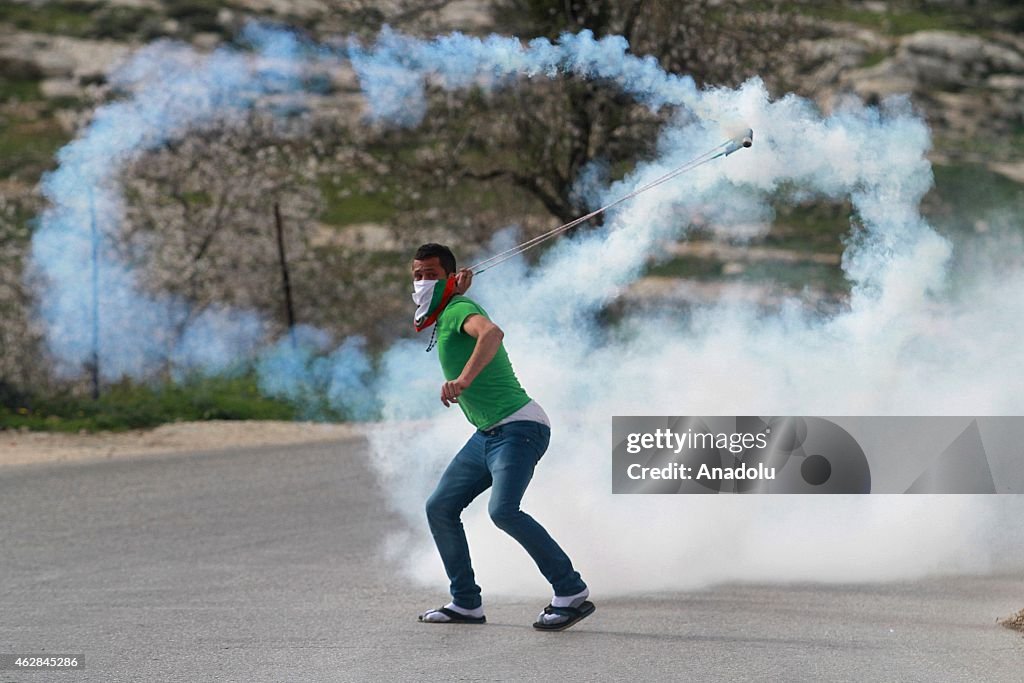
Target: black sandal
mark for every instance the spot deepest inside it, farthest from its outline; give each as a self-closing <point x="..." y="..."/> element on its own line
<point x="453" y="617"/>
<point x="574" y="614"/>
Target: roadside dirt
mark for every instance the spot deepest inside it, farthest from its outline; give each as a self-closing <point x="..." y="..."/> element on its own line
<point x="1015" y="622"/>
<point x="23" y="447"/>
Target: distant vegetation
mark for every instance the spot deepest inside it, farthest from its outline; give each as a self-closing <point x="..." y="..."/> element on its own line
<point x="126" y="405"/>
<point x="348" y="194"/>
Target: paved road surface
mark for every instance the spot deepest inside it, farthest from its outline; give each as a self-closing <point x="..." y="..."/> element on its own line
<point x="257" y="566"/>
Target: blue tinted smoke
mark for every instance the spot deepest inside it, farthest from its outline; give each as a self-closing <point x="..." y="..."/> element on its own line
<point x="874" y="156"/>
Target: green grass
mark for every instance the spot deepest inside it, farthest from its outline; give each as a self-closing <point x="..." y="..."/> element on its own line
<point x="809" y="226"/>
<point x="120" y="22"/>
<point x="92" y="19"/>
<point x="27" y="147"/>
<point x="1013" y="141"/>
<point x="990" y="145"/>
<point x="804" y="227"/>
<point x="895" y="21"/>
<point x="19" y="89"/>
<point x="133" y="406"/>
<point x="796" y="275"/>
<point x="875" y="58"/>
<point x="793" y="275"/>
<point x="973" y="186"/>
<point x="694" y="267"/>
<point x="15" y="91"/>
<point x="64" y="18"/>
<point x="964" y="193"/>
<point x="346" y="203"/>
<point x="199" y="15"/>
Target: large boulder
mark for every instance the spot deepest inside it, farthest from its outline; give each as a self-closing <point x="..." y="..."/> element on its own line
<point x="944" y="59"/>
<point x="38" y="55"/>
<point x="966" y="84"/>
<point x="29" y="56"/>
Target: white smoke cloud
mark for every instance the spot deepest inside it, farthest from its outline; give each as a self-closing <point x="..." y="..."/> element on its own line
<point x="907" y="344"/>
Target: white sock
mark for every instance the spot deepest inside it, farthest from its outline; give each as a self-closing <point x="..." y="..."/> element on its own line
<point x="478" y="612"/>
<point x="434" y="615"/>
<point x="563" y="601"/>
<point x="568" y="600"/>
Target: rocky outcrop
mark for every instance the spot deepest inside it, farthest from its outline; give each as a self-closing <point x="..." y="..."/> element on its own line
<point x="970" y="86"/>
<point x="967" y="85"/>
<point x="65" y="65"/>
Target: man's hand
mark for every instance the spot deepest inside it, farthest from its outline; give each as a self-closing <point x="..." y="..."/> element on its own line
<point x="463" y="280"/>
<point x="450" y="391"/>
<point x="488" y="339"/>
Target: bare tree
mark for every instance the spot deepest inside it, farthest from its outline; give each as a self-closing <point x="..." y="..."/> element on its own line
<point x="200" y="220"/>
<point x="529" y="145"/>
<point x="200" y="224"/>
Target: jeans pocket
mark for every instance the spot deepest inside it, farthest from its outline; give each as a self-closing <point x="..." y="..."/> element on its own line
<point x="540" y="440"/>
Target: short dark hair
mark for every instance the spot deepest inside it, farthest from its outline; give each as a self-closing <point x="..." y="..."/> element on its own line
<point x="430" y="250"/>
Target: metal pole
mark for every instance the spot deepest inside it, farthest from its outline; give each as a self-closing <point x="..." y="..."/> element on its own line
<point x="95" y="365"/>
<point x="285" y="279"/>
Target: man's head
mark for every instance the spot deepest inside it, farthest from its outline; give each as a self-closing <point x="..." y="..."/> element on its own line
<point x="432" y="262"/>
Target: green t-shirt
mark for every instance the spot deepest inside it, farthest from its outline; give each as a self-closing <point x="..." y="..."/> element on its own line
<point x="495" y="393"/>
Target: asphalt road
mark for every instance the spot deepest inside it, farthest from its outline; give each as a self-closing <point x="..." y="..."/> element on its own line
<point x="261" y="566"/>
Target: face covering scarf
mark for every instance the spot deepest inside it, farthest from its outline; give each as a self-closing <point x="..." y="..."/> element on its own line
<point x="430" y="297"/>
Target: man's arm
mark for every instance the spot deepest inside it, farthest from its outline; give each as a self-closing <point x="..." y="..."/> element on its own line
<point x="488" y="338"/>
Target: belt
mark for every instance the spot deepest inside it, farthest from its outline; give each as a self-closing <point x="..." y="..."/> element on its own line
<point x="494" y="431"/>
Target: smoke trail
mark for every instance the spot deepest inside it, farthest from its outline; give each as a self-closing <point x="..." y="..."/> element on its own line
<point x="173" y="90"/>
<point x="881" y="356"/>
<point x="393" y="73"/>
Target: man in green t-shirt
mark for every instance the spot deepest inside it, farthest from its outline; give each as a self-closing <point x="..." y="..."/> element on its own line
<point x="512" y="434"/>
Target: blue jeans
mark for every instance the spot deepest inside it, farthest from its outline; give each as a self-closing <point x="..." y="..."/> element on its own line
<point x="502" y="457"/>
